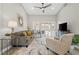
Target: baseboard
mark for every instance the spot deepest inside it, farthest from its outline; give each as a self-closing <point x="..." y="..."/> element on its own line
<point x="5" y="49"/>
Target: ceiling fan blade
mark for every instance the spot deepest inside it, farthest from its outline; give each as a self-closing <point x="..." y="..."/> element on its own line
<point x="38" y="7"/>
<point x="47" y="5"/>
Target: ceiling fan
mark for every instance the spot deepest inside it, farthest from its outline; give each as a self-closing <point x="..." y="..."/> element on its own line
<point x="43" y="7"/>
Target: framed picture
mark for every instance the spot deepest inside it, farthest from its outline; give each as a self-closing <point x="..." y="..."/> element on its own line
<point x="20" y="21"/>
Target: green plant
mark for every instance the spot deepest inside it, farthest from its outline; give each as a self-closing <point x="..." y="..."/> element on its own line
<point x="75" y="40"/>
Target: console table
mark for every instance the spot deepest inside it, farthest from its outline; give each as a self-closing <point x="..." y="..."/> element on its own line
<point x="5" y="44"/>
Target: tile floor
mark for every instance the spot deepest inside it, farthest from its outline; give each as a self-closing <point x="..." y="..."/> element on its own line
<point x="35" y="48"/>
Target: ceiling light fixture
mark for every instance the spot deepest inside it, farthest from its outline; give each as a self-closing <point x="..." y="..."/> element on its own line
<point x="43" y="7"/>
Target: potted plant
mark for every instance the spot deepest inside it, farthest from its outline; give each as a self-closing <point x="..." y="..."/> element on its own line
<point x="75" y="40"/>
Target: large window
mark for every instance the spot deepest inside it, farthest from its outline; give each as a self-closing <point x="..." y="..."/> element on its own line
<point x="48" y="28"/>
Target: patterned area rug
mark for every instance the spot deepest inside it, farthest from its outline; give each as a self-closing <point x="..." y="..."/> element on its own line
<point x="33" y="49"/>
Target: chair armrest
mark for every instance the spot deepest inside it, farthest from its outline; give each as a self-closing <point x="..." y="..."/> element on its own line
<point x="54" y="42"/>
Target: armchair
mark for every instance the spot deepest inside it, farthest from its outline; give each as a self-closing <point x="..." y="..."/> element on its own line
<point x="60" y="46"/>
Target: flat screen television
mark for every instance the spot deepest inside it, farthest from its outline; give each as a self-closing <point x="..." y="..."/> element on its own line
<point x="63" y="27"/>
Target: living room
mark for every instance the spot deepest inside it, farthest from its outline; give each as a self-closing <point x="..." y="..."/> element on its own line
<point x="44" y="22"/>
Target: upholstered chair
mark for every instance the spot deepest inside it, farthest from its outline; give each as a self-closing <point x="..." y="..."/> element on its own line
<point x="60" y="46"/>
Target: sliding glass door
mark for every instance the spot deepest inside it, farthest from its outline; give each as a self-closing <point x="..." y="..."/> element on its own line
<point x="47" y="29"/>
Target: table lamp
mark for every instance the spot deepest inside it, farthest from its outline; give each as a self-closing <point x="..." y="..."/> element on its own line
<point x="12" y="25"/>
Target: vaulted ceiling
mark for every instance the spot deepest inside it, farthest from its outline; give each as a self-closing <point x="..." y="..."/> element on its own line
<point x="52" y="10"/>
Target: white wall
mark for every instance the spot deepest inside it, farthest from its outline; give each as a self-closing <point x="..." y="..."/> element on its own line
<point x="10" y="12"/>
<point x="70" y="14"/>
<point x="41" y="19"/>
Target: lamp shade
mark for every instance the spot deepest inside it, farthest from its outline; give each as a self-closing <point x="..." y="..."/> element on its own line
<point x="12" y="24"/>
